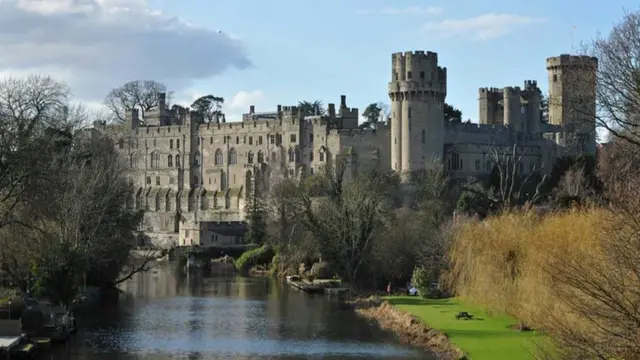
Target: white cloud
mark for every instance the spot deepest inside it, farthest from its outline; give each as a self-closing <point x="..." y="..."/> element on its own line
<point x="483" y="27"/>
<point x="96" y="45"/>
<point x="410" y="10"/>
<point x="243" y="99"/>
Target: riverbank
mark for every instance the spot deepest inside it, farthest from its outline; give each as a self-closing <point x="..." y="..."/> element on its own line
<point x="410" y="329"/>
<point x="487" y="336"/>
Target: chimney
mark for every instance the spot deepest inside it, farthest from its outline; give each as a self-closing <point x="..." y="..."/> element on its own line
<point x="279" y="109"/>
<point x="332" y="110"/>
<point x="134" y="118"/>
<point x="252" y="109"/>
<point x="343" y="101"/>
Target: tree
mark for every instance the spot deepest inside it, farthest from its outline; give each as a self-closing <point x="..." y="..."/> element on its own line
<point x="616" y="81"/>
<point x="209" y="106"/>
<point x="544" y="108"/>
<point x="63" y="193"/>
<point x="311" y="108"/>
<point x="511" y="186"/>
<point x="256" y="216"/>
<point x="451" y="113"/>
<point x="137" y="94"/>
<point x="375" y="113"/>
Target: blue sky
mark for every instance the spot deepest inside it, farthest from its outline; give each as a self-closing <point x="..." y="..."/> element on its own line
<point x="304" y="50"/>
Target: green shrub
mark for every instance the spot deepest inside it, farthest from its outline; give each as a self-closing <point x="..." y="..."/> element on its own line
<point x="421" y="281"/>
<point x="254" y="257"/>
<point x="321" y="270"/>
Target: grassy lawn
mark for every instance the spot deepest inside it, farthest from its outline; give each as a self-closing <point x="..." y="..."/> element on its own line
<point x="485" y="337"/>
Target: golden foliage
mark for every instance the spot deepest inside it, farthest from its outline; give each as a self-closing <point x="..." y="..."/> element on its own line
<point x="574" y="275"/>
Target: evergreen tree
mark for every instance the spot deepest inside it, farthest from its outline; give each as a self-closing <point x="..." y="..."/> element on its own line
<point x="256" y="217"/>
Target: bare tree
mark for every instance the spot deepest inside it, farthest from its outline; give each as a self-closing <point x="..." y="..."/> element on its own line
<point x="137" y="94"/>
<point x="513" y="187"/>
<point x="346" y="223"/>
<point x="616" y="81"/>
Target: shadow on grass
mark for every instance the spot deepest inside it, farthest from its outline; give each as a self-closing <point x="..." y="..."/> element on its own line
<point x="479" y="334"/>
<point x="418" y="301"/>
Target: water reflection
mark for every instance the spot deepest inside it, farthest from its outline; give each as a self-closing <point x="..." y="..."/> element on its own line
<point x="166" y="315"/>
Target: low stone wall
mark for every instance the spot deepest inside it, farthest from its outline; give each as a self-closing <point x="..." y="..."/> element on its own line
<point x="411" y="330"/>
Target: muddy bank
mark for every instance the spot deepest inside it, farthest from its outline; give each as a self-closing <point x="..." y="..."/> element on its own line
<point x="411" y="330"/>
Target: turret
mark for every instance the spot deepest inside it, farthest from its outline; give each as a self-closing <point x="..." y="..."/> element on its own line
<point x="417" y="91"/>
<point x="513" y="113"/>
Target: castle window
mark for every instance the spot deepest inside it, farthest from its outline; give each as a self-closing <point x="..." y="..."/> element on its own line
<point x="178" y="144"/>
<point x="237" y="140"/>
<point x="555" y="77"/>
<point x="278" y="139"/>
<point x="424" y="136"/>
<point x="408" y="75"/>
<point x="259" y="140"/>
<point x="310" y="138"/>
<point x="218" y="159"/>
<point x="245" y="140"/>
<point x="409" y="112"/>
<point x="170" y="161"/>
<point x="250" y="157"/>
<point x="455" y="163"/>
<point x="154" y="142"/>
<point x="158" y="180"/>
<point x="260" y="157"/>
<point x="311" y="156"/>
<point x="395" y="76"/>
<point x="273" y="156"/>
<point x="224" y="140"/>
<point x="133" y="161"/>
<point x="121" y="144"/>
<point x="155" y="159"/>
<point x="177" y="161"/>
<point x="477" y="165"/>
<point x="272" y="138"/>
<point x="211" y="140"/>
<point x="233" y="156"/>
<point x="148" y="180"/>
<point x="321" y="157"/>
<point x="421" y="75"/>
<point x="196" y="159"/>
<point x="170" y="143"/>
<point x="250" y="140"/>
<point x="292" y="138"/>
<point x="197" y="141"/>
<point x="292" y="155"/>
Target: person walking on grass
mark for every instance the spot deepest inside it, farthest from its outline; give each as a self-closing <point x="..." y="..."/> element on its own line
<point x="389" y="288"/>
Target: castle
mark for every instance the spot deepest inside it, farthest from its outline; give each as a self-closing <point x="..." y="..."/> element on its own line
<point x="193" y="177"/>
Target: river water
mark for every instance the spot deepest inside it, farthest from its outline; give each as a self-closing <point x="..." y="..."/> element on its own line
<point x="165" y="314"/>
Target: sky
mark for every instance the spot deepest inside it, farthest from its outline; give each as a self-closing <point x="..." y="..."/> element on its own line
<point x="265" y="53"/>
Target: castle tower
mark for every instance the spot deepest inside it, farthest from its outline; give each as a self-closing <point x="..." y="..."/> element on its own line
<point x="417" y="91"/>
<point x="572" y="100"/>
<point x="532" y="118"/>
<point x="513" y="113"/>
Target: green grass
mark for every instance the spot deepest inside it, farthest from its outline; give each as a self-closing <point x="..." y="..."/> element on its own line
<point x="483" y="338"/>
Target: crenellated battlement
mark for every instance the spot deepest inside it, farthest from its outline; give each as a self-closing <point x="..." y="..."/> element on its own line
<point x="566" y="60"/>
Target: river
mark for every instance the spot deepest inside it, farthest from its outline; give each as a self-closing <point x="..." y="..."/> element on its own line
<point x="165" y="314"/>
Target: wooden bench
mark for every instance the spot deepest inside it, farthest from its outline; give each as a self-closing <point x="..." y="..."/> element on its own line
<point x="464" y="315"/>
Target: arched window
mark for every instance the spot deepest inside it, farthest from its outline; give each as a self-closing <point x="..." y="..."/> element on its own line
<point x="155" y="159"/>
<point x="260" y="157"/>
<point x="170" y="161"/>
<point x="218" y="159"/>
<point x="196" y="159"/>
<point x="133" y="161"/>
<point x="250" y="157"/>
<point x="321" y="155"/>
<point x="292" y="155"/>
<point x="456" y="162"/>
<point x="233" y="156"/>
<point x="177" y="161"/>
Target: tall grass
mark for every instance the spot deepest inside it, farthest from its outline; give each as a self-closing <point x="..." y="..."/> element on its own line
<point x="505" y="262"/>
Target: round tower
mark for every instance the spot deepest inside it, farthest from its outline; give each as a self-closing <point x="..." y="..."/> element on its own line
<point x="572" y="100"/>
<point x="417" y="91"/>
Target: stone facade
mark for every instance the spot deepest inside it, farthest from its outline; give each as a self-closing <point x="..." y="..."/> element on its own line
<point x="191" y="175"/>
